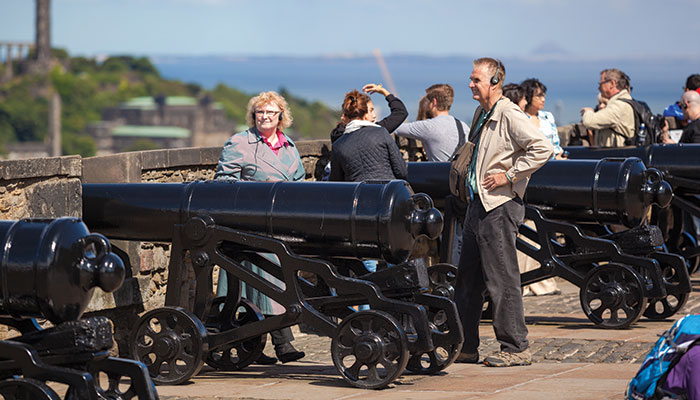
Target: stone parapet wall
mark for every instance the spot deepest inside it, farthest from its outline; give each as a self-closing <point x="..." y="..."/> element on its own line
<point x="41" y="188"/>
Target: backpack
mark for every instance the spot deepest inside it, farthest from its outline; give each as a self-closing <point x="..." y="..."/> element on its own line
<point x="459" y="166"/>
<point x="647" y="126"/>
<point x="667" y="351"/>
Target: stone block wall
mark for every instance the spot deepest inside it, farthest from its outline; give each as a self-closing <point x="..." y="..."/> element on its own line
<point x="41" y="188"/>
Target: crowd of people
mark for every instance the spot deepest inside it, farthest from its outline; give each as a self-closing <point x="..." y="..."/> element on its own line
<point x="513" y="138"/>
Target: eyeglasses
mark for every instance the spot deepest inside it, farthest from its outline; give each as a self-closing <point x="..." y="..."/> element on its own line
<point x="266" y="112"/>
<point x="543" y="95"/>
<point x="603" y="82"/>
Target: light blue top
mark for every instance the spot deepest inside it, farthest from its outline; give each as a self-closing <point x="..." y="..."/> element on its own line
<point x="549" y="128"/>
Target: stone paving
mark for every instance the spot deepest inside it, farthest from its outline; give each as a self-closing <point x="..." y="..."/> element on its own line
<point x="563" y="309"/>
<point x="573" y="359"/>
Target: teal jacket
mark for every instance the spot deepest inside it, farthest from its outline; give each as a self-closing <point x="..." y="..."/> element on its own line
<point x="246" y="157"/>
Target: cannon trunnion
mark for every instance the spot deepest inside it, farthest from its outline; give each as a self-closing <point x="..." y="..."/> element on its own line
<point x="309" y="237"/>
<point x="640" y="280"/>
<point x="49" y="269"/>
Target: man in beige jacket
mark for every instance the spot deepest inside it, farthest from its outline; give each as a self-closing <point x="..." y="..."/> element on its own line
<point x="615" y="122"/>
<point x="508" y="149"/>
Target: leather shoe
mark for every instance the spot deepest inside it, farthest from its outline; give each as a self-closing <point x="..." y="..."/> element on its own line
<point x="266" y="360"/>
<point x="287" y="353"/>
<point x="468" y="358"/>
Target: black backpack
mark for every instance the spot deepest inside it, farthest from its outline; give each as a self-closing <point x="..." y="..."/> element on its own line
<point x="647" y="126"/>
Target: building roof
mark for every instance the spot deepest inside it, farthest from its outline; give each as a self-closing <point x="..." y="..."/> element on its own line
<point x="174" y="132"/>
<point x="148" y="103"/>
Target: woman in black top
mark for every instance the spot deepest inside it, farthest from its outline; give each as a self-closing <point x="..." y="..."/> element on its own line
<point x="366" y="150"/>
<point x="397" y="109"/>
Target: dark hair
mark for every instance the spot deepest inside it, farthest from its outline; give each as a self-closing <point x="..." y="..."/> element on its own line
<point x="355" y="106"/>
<point x="530" y="86"/>
<point x="424" y="109"/>
<point x="514" y="92"/>
<point x="622" y="81"/>
<point x="693" y="82"/>
<point x="443" y="94"/>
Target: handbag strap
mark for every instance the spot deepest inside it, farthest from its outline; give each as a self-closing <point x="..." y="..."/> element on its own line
<point x="460" y="129"/>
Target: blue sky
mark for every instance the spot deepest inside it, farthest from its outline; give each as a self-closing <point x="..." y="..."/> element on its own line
<point x="506" y="28"/>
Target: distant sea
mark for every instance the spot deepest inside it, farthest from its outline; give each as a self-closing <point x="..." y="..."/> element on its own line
<point x="571" y="81"/>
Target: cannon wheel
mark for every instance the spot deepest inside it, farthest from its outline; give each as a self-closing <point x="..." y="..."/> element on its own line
<point x="440" y="358"/>
<point x="26" y="389"/>
<point x="443" y="278"/>
<point x="370" y="349"/>
<point x="662" y="308"/>
<point x="612" y="296"/>
<point x="238" y="355"/>
<point x="688" y="241"/>
<point x="170" y="342"/>
<point x="432" y="362"/>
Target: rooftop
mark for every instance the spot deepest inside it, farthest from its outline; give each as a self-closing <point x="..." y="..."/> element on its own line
<point x="174" y="132"/>
<point x="148" y="102"/>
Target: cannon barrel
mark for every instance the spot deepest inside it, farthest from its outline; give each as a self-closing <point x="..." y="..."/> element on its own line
<point x="678" y="160"/>
<point x="49" y="268"/>
<point x="607" y="191"/>
<point x="368" y="219"/>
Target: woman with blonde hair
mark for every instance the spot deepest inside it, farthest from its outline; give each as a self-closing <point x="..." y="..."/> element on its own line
<point x="263" y="153"/>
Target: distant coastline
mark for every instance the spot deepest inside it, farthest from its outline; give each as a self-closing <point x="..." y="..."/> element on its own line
<point x="571" y="80"/>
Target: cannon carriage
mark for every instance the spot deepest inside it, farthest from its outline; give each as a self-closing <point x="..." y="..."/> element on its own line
<point x="317" y="233"/>
<point x="621" y="276"/>
<point x="680" y="167"/>
<point x="49" y="269"/>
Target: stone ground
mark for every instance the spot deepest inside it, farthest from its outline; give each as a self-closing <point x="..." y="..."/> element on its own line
<point x="573" y="359"/>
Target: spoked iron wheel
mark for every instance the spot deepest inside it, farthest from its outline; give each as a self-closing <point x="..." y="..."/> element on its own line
<point x="662" y="308"/>
<point x="688" y="241"/>
<point x="171" y="342"/>
<point x="238" y="355"/>
<point x="612" y="296"/>
<point x="26" y="389"/>
<point x="370" y="349"/>
<point x="443" y="278"/>
<point x="434" y="361"/>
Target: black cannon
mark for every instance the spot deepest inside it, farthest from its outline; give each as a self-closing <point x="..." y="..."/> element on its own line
<point x="638" y="278"/>
<point x="680" y="166"/>
<point x="315" y="229"/>
<point x="49" y="269"/>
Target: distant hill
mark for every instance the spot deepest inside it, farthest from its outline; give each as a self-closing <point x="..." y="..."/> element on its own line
<point x="86" y="87"/>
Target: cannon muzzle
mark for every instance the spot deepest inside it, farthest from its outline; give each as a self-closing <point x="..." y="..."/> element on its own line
<point x="49" y="268"/>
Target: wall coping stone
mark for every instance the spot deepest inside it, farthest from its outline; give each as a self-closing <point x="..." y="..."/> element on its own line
<point x="69" y="166"/>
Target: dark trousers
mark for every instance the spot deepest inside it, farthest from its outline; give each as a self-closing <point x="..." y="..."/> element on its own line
<point x="281" y="336"/>
<point x="488" y="261"/>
